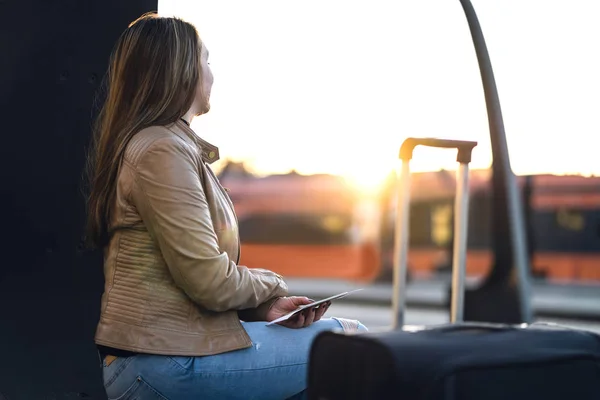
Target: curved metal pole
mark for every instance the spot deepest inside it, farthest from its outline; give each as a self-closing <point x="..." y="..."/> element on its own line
<point x="502" y="163"/>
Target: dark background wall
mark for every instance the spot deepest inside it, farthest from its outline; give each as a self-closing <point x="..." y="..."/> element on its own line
<point x="53" y="57"/>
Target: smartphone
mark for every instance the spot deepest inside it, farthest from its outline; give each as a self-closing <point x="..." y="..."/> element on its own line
<point x="311" y="305"/>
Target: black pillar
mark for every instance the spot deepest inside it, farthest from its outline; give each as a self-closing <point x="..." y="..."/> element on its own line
<point x="503" y="296"/>
<point x="54" y="55"/>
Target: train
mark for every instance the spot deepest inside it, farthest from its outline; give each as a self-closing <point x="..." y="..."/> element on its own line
<point x="321" y="226"/>
<point x="562" y="214"/>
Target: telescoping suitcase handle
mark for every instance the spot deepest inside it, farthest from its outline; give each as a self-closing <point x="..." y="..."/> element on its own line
<point x="464" y="147"/>
<point x="461" y="208"/>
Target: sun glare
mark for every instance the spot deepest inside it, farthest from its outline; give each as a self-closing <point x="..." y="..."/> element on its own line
<point x="344" y="106"/>
<point x="369" y="178"/>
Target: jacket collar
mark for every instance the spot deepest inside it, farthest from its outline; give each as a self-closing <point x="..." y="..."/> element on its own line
<point x="210" y="152"/>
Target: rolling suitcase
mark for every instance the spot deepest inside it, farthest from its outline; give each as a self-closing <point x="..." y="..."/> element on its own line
<point x="459" y="360"/>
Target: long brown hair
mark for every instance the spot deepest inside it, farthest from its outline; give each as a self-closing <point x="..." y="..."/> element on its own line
<point x="152" y="78"/>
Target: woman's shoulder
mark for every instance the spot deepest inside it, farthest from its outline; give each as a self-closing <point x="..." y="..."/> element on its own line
<point x="161" y="138"/>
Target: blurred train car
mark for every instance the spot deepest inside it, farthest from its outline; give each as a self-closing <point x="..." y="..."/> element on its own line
<point x="319" y="226"/>
<point x="562" y="216"/>
<point x="313" y="226"/>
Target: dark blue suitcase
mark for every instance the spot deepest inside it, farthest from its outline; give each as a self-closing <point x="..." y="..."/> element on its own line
<point x="459" y="361"/>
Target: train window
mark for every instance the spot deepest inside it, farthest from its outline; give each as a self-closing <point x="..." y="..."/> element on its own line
<point x="570" y="219"/>
<point x="441" y="224"/>
<point x="335" y="223"/>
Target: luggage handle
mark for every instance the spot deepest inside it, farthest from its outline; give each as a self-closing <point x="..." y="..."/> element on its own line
<point x="464" y="147"/>
<point x="401" y="238"/>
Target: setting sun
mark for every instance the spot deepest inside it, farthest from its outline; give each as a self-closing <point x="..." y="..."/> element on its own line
<point x="370" y="178"/>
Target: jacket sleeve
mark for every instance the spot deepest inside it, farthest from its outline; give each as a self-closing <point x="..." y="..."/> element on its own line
<point x="170" y="199"/>
<point x="259" y="313"/>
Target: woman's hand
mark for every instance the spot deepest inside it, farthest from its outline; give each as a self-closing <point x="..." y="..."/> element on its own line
<point x="286" y="305"/>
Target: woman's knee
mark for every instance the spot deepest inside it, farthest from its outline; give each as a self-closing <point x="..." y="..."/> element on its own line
<point x="350" y="325"/>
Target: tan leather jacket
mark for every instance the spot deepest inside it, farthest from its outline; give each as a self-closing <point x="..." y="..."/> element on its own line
<point x="173" y="285"/>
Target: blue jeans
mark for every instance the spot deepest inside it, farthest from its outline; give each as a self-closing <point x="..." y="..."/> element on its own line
<point x="275" y="367"/>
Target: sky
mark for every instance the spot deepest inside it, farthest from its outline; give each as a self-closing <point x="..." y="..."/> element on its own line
<point x="331" y="86"/>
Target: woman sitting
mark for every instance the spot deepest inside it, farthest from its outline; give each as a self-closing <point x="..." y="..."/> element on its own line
<point x="180" y="319"/>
